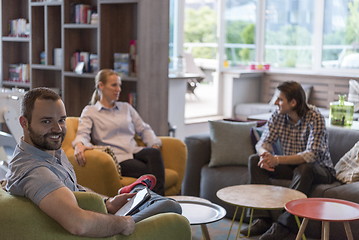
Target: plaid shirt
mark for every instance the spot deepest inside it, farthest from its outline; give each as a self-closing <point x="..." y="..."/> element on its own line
<point x="307" y="138"/>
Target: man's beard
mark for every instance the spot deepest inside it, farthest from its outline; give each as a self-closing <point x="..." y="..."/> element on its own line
<point x="40" y="140"/>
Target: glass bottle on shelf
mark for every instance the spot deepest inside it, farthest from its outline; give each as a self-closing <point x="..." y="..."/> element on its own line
<point x="180" y="65"/>
<point x="341" y="112"/>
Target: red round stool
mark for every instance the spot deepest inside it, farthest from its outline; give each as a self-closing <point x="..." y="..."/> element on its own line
<point x="326" y="210"/>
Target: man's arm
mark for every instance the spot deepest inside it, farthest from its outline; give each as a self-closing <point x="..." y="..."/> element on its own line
<point x="61" y="205"/>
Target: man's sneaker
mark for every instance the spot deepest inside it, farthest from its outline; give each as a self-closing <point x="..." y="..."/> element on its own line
<point x="147" y="180"/>
<point x="278" y="232"/>
<point x="258" y="227"/>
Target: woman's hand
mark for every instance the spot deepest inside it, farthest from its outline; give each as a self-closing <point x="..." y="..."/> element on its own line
<point x="80" y="153"/>
<point x="115" y="203"/>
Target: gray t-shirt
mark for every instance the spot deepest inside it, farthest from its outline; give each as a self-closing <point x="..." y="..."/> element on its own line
<point x="34" y="173"/>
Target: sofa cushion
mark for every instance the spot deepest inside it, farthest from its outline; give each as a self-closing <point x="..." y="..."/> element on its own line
<point x="230" y="142"/>
<point x="341" y="140"/>
<point x="349" y="192"/>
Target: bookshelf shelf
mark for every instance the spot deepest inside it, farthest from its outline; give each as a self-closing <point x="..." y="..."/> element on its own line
<point x="80" y="26"/>
<point x="15" y="39"/>
<point x="15" y="84"/>
<point x="83" y="75"/>
<point x="45" y="67"/>
<point x="117" y="1"/>
<point x="114" y="24"/>
<point x="46" y="3"/>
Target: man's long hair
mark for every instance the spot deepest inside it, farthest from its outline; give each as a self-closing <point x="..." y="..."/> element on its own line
<point x="293" y="90"/>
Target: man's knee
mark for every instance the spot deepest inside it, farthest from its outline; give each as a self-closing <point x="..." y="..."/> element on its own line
<point x="304" y="170"/>
<point x="169" y="205"/>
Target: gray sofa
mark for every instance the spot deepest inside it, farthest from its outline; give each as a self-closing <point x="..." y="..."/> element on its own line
<point x="203" y="181"/>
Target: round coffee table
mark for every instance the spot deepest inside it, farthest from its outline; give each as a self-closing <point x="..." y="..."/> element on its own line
<point x="256" y="196"/>
<point x="326" y="210"/>
<point x="200" y="211"/>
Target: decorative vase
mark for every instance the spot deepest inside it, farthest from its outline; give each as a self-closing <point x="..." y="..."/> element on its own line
<point x="341" y="112"/>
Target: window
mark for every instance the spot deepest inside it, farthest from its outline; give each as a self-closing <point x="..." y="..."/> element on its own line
<point x="240" y="24"/>
<point x="200" y="31"/>
<point x="318" y="35"/>
<point x="341" y="34"/>
<point x="200" y="28"/>
<point x="289" y="33"/>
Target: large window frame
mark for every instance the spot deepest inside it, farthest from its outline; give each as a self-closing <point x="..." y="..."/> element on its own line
<point x="317" y="43"/>
<point x="260" y="36"/>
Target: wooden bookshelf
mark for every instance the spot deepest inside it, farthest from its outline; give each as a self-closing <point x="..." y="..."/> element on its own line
<point x="14" y="49"/>
<point x="119" y="22"/>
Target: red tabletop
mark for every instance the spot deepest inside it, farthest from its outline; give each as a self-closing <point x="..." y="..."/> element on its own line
<point x="324" y="209"/>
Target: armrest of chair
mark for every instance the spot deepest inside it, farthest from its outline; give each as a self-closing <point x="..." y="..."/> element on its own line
<point x="174" y="154"/>
<point x="99" y="174"/>
<point x="199" y="154"/>
<point x="22" y="219"/>
<point x="161" y="226"/>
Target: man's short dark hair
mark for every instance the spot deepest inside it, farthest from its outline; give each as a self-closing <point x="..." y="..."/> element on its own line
<point x="27" y="105"/>
<point x="293" y="90"/>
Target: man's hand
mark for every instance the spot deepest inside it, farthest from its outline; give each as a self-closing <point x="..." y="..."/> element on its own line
<point x="117" y="202"/>
<point x="129" y="225"/>
<point x="80" y="153"/>
<point x="267" y="161"/>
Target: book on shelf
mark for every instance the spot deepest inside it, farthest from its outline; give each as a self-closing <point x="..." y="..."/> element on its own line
<point x="57" y="57"/>
<point x="19" y="28"/>
<point x="82" y="13"/>
<point x="94" y="62"/>
<point x="90" y="61"/>
<point x="19" y="73"/>
<point x="121" y="64"/>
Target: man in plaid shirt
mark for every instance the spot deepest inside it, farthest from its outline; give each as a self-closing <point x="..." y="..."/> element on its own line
<point x="305" y="159"/>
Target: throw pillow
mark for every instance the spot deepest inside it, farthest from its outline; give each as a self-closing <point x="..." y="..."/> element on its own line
<point x="347" y="168"/>
<point x="109" y="151"/>
<point x="256" y="133"/>
<point x="353" y="95"/>
<point x="230" y="143"/>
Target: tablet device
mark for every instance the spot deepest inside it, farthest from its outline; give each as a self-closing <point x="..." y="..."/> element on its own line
<point x="136" y="201"/>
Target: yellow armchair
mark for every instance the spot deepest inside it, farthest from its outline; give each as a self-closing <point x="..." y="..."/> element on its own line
<point x="100" y="172"/>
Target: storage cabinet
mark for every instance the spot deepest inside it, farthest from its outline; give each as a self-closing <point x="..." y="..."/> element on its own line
<point x="54" y="29"/>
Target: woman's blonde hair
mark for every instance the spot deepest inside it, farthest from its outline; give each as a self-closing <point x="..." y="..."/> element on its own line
<point x="101" y="76"/>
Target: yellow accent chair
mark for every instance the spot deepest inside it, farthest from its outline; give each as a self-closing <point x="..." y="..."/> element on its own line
<point x="100" y="173"/>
